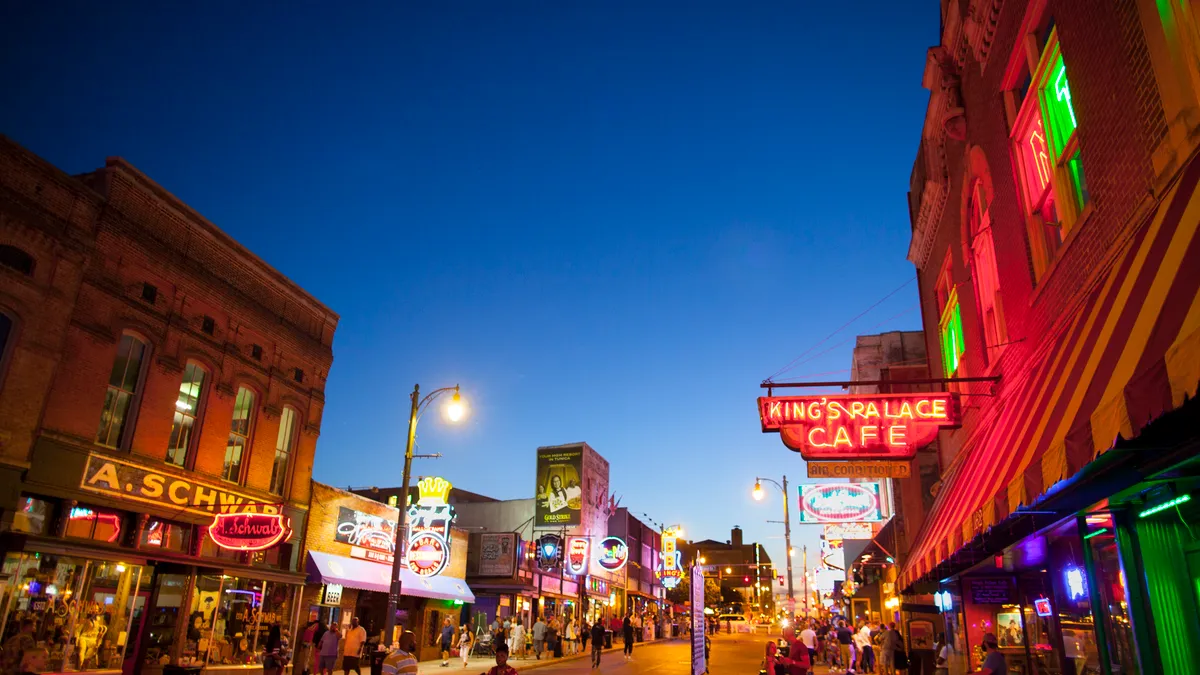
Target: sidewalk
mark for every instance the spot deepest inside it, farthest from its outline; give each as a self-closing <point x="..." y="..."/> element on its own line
<point x="476" y="665"/>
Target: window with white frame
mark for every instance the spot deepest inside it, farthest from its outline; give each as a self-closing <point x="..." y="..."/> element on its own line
<point x="187" y="411"/>
<point x="239" y="435"/>
<point x="983" y="270"/>
<point x="123" y="383"/>
<point x="284" y="444"/>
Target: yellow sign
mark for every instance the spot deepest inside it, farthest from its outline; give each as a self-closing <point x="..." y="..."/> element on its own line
<point x="859" y="469"/>
<point x="126" y="480"/>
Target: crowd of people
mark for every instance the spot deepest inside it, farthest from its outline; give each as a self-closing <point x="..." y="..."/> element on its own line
<point x="867" y="648"/>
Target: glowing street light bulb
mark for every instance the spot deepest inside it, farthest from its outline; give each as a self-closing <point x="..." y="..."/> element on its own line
<point x="455" y="409"/>
<point x="702" y="560"/>
<point x="728" y="570"/>
<point x="758" y="491"/>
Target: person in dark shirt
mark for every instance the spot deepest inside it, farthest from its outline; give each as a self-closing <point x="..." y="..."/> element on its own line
<point x="627" y="635"/>
<point x="845" y="640"/>
<point x="597" y="643"/>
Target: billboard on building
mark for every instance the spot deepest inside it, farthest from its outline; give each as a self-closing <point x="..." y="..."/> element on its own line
<point x="559" y="486"/>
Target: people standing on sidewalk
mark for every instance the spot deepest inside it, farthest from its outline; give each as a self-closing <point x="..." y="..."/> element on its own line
<point x="517" y="647"/>
<point x="447" y="641"/>
<point x="627" y="635"/>
<point x="889" y="644"/>
<point x="464" y="643"/>
<point x="585" y="631"/>
<point x="865" y="654"/>
<point x="539" y="638"/>
<point x="845" y="642"/>
<point x="356" y="637"/>
<point x="597" y="643"/>
<point x="328" y="650"/>
<point x="809" y="637"/>
<point x="571" y="635"/>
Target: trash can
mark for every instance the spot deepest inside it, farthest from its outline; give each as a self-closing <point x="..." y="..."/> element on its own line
<point x="377" y="658"/>
<point x="607" y="639"/>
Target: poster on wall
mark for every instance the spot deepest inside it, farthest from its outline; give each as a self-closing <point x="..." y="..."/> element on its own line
<point x="559" y="486"/>
<point x="497" y="554"/>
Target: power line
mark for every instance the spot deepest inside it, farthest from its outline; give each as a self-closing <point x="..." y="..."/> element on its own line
<point x="840" y="329"/>
<point x="847" y="340"/>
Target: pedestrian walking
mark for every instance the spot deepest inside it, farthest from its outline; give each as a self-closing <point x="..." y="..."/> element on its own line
<point x="888" y="645"/>
<point x="597" y="643"/>
<point x="328" y="650"/>
<point x="356" y="637"/>
<point x="539" y="638"/>
<point x="517" y="648"/>
<point x="627" y="635"/>
<point x="447" y="641"/>
<point x="464" y="643"/>
<point x="863" y="650"/>
<point x="845" y="641"/>
<point x="585" y="631"/>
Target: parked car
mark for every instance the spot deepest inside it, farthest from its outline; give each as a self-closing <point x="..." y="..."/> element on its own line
<point x="735" y="623"/>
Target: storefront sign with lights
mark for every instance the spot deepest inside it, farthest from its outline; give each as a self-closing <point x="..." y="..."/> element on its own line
<point x="369" y="536"/>
<point x="249" y="531"/>
<point x="670" y="571"/>
<point x="843" y="531"/>
<point x="124" y="480"/>
<point x="549" y="551"/>
<point x="429" y="520"/>
<point x="578" y="549"/>
<point x="840" y="503"/>
<point x="612" y="554"/>
<point x="877" y="426"/>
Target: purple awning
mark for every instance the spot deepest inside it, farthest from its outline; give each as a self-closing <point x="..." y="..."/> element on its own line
<point x="372" y="576"/>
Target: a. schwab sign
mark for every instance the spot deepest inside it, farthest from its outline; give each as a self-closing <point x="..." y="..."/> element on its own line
<point x="126" y="480"/>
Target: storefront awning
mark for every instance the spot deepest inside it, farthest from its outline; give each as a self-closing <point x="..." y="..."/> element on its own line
<point x="1127" y="355"/>
<point x="372" y="576"/>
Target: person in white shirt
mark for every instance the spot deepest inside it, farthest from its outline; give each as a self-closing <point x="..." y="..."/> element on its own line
<point x="352" y="647"/>
<point x="866" y="654"/>
<point x="809" y="637"/>
<point x="516" y="645"/>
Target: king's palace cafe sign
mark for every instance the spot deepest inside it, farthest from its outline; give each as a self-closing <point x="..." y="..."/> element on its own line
<point x="853" y="427"/>
<point x="128" y="481"/>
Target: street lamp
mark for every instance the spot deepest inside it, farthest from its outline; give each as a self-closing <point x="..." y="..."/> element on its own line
<point x="787" y="531"/>
<point x="455" y="411"/>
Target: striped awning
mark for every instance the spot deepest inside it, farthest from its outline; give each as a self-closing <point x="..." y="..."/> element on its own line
<point x="1128" y="355"/>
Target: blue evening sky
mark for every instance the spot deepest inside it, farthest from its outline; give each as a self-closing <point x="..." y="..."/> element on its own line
<point x="608" y="221"/>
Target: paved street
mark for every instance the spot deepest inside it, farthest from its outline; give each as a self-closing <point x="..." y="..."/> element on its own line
<point x="731" y="655"/>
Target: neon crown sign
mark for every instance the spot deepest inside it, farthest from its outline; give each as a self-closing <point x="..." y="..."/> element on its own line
<point x="874" y="426"/>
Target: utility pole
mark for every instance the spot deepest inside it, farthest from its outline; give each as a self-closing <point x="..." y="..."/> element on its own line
<point x="787" y="535"/>
<point x="806" y="613"/>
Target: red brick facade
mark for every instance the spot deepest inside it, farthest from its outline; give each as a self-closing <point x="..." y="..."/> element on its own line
<point x="100" y="242"/>
<point x="1120" y="123"/>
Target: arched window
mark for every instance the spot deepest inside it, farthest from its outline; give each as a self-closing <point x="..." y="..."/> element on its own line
<point x="187" y="410"/>
<point x="284" y="445"/>
<point x="983" y="270"/>
<point x="123" y="384"/>
<point x="14" y="258"/>
<point x="239" y="435"/>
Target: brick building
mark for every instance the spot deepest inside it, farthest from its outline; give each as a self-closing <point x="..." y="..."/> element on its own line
<point x="153" y="373"/>
<point x="1054" y="228"/>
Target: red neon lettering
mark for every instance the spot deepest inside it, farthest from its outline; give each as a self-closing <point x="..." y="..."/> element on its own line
<point x="842" y="438"/>
<point x="857" y="409"/>
<point x="867" y="433"/>
<point x="896" y="435"/>
<point x="814" y="411"/>
<point x="797" y="410"/>
<point x="906" y="410"/>
<point x="773" y="409"/>
<point x="939" y="409"/>
<point x="872" y="409"/>
<point x="813" y="442"/>
<point x="925" y="402"/>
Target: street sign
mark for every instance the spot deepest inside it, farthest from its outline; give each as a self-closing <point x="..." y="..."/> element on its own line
<point x="699" y="665"/>
<point x="859" y="469"/>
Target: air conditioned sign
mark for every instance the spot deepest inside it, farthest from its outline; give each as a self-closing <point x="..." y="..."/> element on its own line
<point x="876" y="426"/>
<point x="840" y="503"/>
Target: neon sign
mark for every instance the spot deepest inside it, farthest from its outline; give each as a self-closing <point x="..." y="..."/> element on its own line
<point x="428" y="550"/>
<point x="369" y="536"/>
<point x="549" y="551"/>
<point x="1042" y="606"/>
<point x="878" y="426"/>
<point x="112" y="519"/>
<point x="577" y="555"/>
<point x="1076" y="589"/>
<point x="943" y="601"/>
<point x="670" y="571"/>
<point x="840" y="503"/>
<point x="249" y="531"/>
<point x="612" y="554"/>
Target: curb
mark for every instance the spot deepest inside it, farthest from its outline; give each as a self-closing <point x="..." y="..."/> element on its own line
<point x="521" y="666"/>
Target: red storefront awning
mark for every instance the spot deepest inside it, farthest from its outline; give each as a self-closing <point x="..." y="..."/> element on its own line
<point x="1128" y="355"/>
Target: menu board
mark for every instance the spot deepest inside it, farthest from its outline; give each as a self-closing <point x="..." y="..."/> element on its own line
<point x="991" y="591"/>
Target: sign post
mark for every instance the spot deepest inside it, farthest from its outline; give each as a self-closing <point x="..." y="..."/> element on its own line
<point x="699" y="664"/>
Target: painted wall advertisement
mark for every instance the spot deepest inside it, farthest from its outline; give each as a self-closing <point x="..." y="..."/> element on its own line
<point x="497" y="554"/>
<point x="559" y="486"/>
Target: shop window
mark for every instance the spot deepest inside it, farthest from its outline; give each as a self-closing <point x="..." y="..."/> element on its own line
<point x="229" y="618"/>
<point x="1046" y="147"/>
<point x="166" y="535"/>
<point x="87" y="522"/>
<point x="283" y="450"/>
<point x="187" y="410"/>
<point x="32" y="516"/>
<point x="950" y="328"/>
<point x="123" y="384"/>
<point x="984" y="272"/>
<point x="239" y="435"/>
<point x="96" y="604"/>
<point x="1110" y="582"/>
